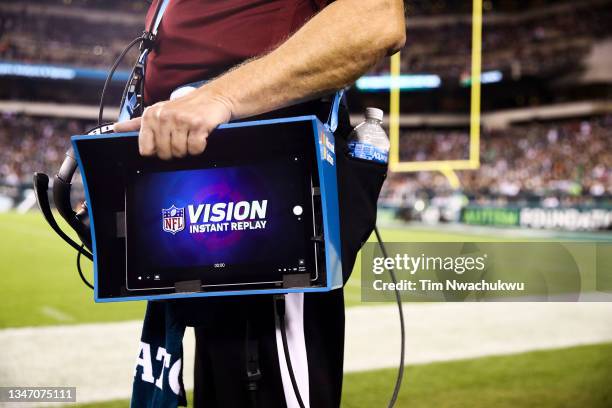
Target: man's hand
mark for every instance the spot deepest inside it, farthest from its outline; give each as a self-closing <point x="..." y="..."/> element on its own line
<point x="173" y="129"/>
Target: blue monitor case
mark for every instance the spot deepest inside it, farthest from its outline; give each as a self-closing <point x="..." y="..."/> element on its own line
<point x="142" y="241"/>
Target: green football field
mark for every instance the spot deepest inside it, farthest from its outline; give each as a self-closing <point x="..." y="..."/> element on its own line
<point x="36" y="262"/>
<point x="40" y="286"/>
<point x="577" y="377"/>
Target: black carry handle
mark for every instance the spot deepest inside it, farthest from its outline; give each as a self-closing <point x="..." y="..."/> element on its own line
<point x="79" y="219"/>
<point x="41" y="187"/>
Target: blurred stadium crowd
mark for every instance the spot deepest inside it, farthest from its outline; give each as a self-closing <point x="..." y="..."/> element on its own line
<point x="564" y="162"/>
<point x="557" y="163"/>
<point x="46" y="35"/>
<point x="538" y="45"/>
<point x="132" y="6"/>
<point x="549" y="42"/>
<point x="32" y="144"/>
<point x="543" y="42"/>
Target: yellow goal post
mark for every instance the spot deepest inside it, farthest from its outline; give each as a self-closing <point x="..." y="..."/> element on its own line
<point x="446" y="167"/>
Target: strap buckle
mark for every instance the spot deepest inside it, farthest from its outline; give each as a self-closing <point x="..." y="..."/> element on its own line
<point x="136" y="90"/>
<point x="332" y="120"/>
<point x="253" y="375"/>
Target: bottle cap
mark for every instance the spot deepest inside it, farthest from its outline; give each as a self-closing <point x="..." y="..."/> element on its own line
<point x="374" y="113"/>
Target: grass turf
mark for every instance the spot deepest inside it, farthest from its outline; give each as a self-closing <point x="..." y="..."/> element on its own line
<point x="575" y="377"/>
<point x="40" y="285"/>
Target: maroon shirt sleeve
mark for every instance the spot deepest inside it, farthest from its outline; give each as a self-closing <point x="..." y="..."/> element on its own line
<point x="200" y="39"/>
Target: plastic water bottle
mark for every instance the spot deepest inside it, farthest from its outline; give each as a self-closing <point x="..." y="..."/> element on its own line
<point x="368" y="140"/>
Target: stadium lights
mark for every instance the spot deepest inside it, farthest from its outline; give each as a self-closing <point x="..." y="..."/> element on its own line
<point x="487" y="77"/>
<point x="8" y="68"/>
<point x="403" y="82"/>
<point x="36" y="71"/>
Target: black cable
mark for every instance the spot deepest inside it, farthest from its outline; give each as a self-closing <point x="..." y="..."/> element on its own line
<point x="41" y="187"/>
<point x="279" y="311"/>
<point x="400" y="370"/>
<point x="85" y="252"/>
<point x="111" y="73"/>
<point x="147" y="36"/>
<point x="78" y="262"/>
<point x="135" y="41"/>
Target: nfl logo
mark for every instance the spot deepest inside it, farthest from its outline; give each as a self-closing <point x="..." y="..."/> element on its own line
<point x="173" y="219"/>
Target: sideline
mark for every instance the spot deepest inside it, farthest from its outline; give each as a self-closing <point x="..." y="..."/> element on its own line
<point x="99" y="358"/>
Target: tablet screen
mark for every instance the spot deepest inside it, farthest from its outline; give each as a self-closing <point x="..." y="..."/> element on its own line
<point x="220" y="225"/>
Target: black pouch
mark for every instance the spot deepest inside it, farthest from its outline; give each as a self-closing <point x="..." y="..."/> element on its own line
<point x="359" y="185"/>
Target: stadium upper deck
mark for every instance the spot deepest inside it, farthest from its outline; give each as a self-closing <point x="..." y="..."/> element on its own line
<point x="545" y="42"/>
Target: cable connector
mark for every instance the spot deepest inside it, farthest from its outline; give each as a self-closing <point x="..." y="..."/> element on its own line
<point x="147" y="41"/>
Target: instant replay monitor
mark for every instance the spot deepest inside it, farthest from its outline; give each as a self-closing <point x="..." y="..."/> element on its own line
<point x="256" y="213"/>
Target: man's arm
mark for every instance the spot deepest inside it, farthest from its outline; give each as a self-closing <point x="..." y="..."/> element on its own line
<point x="329" y="52"/>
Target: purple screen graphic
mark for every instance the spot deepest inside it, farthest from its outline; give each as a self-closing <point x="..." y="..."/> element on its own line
<point x="245" y="215"/>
